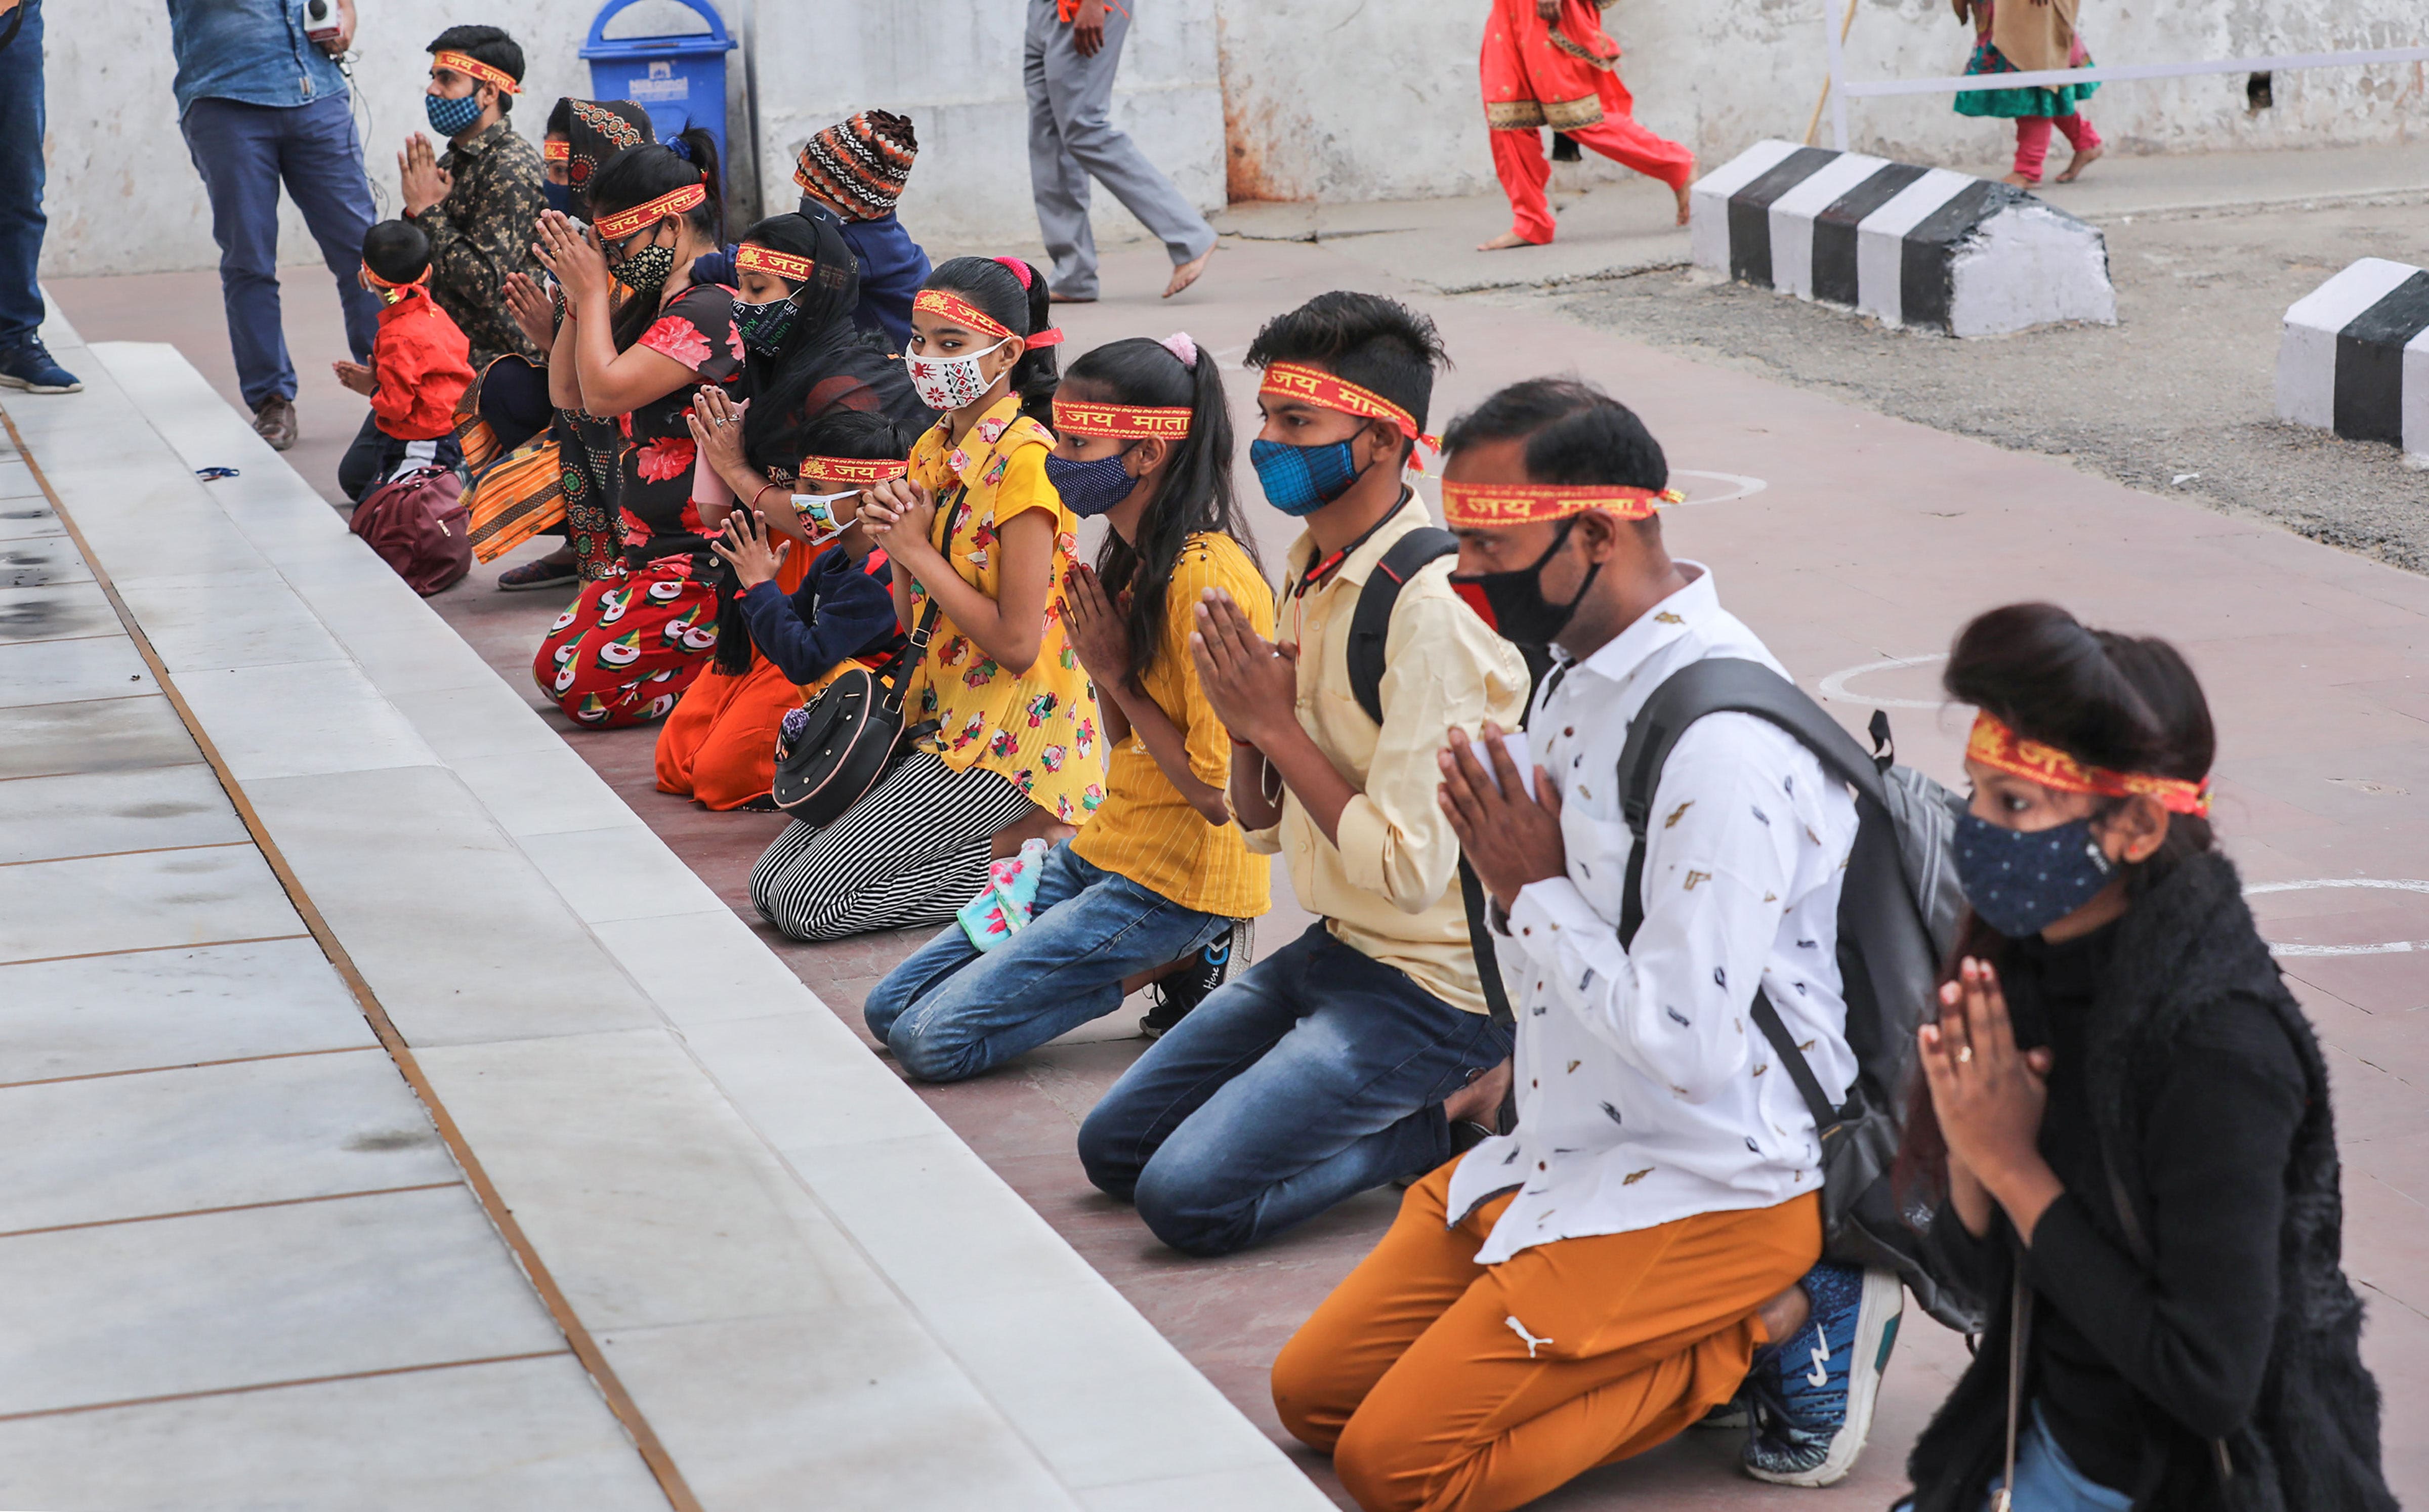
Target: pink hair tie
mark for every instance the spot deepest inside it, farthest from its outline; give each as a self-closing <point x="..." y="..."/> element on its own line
<point x="1181" y="345"/>
<point x="1019" y="268"/>
<point x="1050" y="337"/>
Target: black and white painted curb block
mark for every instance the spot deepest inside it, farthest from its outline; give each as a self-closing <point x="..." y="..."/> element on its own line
<point x="2355" y="358"/>
<point x="1919" y="247"/>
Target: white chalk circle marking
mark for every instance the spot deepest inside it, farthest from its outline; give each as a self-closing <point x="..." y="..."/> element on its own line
<point x="1735" y="486"/>
<point x="1835" y="688"/>
<point x="2389" y="947"/>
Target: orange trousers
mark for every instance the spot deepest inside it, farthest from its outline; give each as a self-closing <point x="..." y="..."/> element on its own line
<point x="1439" y="1385"/>
<point x="1518" y="159"/>
<point x="720" y="745"/>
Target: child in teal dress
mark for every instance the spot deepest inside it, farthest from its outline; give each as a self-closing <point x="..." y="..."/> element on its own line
<point x="2035" y="110"/>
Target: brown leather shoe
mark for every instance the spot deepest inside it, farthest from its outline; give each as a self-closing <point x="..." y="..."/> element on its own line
<point x="274" y="422"/>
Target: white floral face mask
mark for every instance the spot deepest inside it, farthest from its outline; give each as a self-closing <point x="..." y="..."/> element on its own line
<point x="947" y="383"/>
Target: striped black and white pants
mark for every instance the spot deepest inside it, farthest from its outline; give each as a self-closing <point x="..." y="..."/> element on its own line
<point x="910" y="852"/>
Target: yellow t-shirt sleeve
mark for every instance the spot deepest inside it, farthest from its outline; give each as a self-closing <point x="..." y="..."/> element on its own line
<point x="1209" y="563"/>
<point x="1024" y="488"/>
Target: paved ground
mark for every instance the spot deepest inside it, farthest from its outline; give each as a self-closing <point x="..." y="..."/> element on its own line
<point x="1819" y="536"/>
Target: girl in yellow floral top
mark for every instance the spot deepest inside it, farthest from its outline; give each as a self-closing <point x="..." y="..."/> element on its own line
<point x="1155" y="885"/>
<point x="1002" y="742"/>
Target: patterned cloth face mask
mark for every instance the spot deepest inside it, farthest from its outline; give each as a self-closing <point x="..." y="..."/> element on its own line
<point x="2020" y="881"/>
<point x="1300" y="480"/>
<point x="646" y="271"/>
<point x="765" y="327"/>
<point x="450" y="117"/>
<point x="946" y="384"/>
<point x="1090" y="488"/>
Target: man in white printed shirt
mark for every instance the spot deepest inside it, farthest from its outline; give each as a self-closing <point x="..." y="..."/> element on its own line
<point x="1630" y="1258"/>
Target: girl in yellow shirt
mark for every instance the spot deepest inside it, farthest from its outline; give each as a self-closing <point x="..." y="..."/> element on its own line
<point x="1002" y="742"/>
<point x="1161" y="877"/>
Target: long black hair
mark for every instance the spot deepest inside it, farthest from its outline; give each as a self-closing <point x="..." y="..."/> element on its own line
<point x="1196" y="496"/>
<point x="1016" y="302"/>
<point x="636" y="176"/>
<point x="828" y="362"/>
<point x="2129" y="703"/>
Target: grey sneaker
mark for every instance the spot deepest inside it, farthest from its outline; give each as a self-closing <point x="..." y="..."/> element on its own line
<point x="273" y="420"/>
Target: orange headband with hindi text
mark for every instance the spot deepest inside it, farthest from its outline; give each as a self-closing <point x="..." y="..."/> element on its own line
<point x="969" y="317"/>
<point x="624" y="223"/>
<point x="1995" y="745"/>
<point x="377" y="282"/>
<point x="1122" y="422"/>
<point x="1297" y="380"/>
<point x="860" y="472"/>
<point x="472" y="68"/>
<point x="1485" y="505"/>
<point x="556" y="150"/>
<point x="753" y="259"/>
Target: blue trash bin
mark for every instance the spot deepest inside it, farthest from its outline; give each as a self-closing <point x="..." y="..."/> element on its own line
<point x="680" y="80"/>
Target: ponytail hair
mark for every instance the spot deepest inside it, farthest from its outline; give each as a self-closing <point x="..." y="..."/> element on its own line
<point x="2129" y="703"/>
<point x="1196" y="497"/>
<point x="636" y="176"/>
<point x="1013" y="293"/>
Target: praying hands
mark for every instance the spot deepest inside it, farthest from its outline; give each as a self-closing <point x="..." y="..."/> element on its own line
<point x="1508" y="837"/>
<point x="1250" y="682"/>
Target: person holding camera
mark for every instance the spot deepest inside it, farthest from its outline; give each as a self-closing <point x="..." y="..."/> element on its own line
<point x="260" y="102"/>
<point x="25" y="362"/>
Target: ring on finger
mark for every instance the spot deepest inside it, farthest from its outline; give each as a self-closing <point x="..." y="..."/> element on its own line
<point x="1964" y="1055"/>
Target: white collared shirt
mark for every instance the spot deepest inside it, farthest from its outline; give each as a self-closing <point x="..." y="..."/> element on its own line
<point x="1645" y="1092"/>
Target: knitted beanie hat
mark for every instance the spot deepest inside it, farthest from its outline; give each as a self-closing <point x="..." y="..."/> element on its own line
<point x="857" y="168"/>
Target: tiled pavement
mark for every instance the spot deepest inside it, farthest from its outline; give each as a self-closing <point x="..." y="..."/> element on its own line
<point x="1856" y="545"/>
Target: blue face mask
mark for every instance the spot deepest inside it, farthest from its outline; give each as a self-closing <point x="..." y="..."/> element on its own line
<point x="1300" y="480"/>
<point x="2020" y="882"/>
<point x="1090" y="488"/>
<point x="560" y="196"/>
<point x="448" y="117"/>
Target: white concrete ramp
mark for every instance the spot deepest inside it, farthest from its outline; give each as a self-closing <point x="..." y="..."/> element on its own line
<point x="396" y="1123"/>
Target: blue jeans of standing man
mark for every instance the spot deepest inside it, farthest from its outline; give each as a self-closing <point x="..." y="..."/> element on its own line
<point x="22" y="221"/>
<point x="245" y="152"/>
<point x="1317" y="1075"/>
<point x="948" y="1012"/>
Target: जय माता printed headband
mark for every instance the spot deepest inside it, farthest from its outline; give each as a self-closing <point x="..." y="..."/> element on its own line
<point x="750" y="257"/>
<point x="1485" y="505"/>
<point x="1122" y="422"/>
<point x="1995" y="745"/>
<point x="945" y="306"/>
<point x="624" y="223"/>
<point x="472" y="68"/>
<point x="1298" y="380"/>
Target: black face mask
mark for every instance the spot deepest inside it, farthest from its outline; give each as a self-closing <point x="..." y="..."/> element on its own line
<point x="1520" y="611"/>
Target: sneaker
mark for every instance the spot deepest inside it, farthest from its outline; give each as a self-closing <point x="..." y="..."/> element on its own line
<point x="1176" y="994"/>
<point x="1813" y="1395"/>
<point x="28" y="366"/>
<point x="1734" y="1416"/>
<point x="273" y="420"/>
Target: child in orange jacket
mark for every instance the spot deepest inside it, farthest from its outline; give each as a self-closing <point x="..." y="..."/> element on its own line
<point x="421" y="365"/>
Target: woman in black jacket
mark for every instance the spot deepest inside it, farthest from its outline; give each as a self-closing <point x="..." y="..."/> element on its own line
<point x="2125" y="1122"/>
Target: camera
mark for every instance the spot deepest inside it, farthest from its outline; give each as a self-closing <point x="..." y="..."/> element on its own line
<point x="321" y="20"/>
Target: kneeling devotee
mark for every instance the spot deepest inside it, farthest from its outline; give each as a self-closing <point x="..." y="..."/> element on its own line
<point x="1584" y="1289"/>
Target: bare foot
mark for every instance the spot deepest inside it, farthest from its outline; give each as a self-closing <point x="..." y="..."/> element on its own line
<point x="2080" y="161"/>
<point x="1479" y="1101"/>
<point x="1052" y="297"/>
<point x="1186" y="273"/>
<point x="2020" y="181"/>
<point x="1685" y="192"/>
<point x="1506" y="239"/>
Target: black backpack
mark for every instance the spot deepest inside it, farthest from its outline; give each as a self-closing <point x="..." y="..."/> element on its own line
<point x="1898" y="910"/>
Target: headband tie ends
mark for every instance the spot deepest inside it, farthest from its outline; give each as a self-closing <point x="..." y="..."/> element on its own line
<point x="624" y="223"/>
<point x="1995" y="745"/>
<point x="1122" y="422"/>
<point x="1050" y="337"/>
<point x="1488" y="505"/>
<point x="472" y="68"/>
<point x="377" y="282"/>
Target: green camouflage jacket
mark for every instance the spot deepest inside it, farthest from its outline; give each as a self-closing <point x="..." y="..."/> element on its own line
<point x="481" y="232"/>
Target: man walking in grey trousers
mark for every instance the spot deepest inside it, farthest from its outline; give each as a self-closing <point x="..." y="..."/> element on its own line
<point x="1073" y="48"/>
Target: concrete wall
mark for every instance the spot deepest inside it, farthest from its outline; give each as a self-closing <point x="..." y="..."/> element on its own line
<point x="123" y="196"/>
<point x="1247" y="99"/>
<point x="955" y="67"/>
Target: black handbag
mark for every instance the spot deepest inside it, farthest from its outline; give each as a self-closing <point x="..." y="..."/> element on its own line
<point x="855" y="726"/>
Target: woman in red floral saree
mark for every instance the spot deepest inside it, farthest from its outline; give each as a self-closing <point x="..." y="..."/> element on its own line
<point x="629" y="645"/>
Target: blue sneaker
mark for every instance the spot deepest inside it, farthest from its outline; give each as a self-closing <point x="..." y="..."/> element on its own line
<point x="1813" y="1395"/>
<point x="28" y="365"/>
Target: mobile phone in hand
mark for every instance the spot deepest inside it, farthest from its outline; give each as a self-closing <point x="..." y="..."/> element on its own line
<point x="1521" y="756"/>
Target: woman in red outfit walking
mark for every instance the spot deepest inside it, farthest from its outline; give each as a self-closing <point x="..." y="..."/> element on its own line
<point x="1548" y="63"/>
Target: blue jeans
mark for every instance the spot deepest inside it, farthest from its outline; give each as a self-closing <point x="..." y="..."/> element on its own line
<point x="22" y="221"/>
<point x="948" y="1012"/>
<point x="2048" y="1481"/>
<point x="243" y="153"/>
<point x="1314" y="1076"/>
